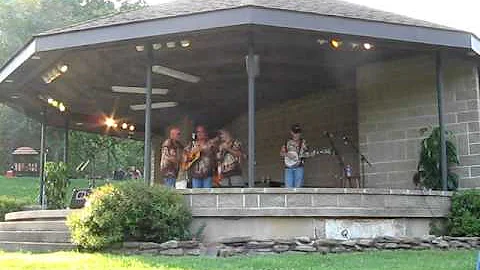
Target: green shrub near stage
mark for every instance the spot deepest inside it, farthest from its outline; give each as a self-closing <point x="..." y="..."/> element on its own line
<point x="9" y="204"/>
<point x="129" y="211"/>
<point x="464" y="218"/>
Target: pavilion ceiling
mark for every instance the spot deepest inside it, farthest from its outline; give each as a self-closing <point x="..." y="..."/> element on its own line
<point x="292" y="64"/>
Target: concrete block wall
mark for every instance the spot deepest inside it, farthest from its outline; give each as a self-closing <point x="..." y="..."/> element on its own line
<point x="397" y="105"/>
<point x="332" y="110"/>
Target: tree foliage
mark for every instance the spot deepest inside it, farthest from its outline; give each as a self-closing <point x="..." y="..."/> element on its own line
<point x="19" y="21"/>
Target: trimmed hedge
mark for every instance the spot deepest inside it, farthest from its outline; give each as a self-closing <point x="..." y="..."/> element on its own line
<point x="9" y="204"/>
<point x="464" y="218"/>
<point x="130" y="211"/>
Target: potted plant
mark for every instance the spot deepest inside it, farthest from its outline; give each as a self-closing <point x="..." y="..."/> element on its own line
<point x="428" y="173"/>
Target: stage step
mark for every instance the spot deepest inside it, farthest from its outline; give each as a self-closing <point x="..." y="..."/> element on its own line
<point x="35" y="246"/>
<point x="35" y="236"/>
<point x="47" y="225"/>
<point x="35" y="231"/>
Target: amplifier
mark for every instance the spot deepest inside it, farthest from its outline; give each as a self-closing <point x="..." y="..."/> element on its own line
<point x="79" y="197"/>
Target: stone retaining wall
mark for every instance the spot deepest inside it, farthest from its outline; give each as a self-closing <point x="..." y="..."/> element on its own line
<point x="248" y="246"/>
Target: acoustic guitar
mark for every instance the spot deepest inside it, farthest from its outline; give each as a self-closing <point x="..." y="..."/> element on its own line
<point x="190" y="158"/>
<point x="293" y="159"/>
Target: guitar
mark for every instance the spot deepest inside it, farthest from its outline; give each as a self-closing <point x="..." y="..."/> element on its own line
<point x="293" y="159"/>
<point x="190" y="158"/>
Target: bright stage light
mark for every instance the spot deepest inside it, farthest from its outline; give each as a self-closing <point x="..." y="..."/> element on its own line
<point x="61" y="107"/>
<point x="336" y="43"/>
<point x="109" y="122"/>
<point x="131" y="128"/>
<point x="124" y="126"/>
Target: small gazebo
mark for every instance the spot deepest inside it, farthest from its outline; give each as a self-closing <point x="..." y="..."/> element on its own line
<point x="25" y="161"/>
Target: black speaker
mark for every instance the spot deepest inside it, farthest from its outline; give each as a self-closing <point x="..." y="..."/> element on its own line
<point x="79" y="197"/>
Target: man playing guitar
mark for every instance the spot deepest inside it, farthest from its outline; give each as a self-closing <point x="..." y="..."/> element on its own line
<point x="229" y="157"/>
<point x="199" y="159"/>
<point x="294" y="151"/>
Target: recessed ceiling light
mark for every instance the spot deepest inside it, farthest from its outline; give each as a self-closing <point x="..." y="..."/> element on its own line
<point x="185" y="43"/>
<point x="171" y="44"/>
<point x="63" y="68"/>
<point x="322" y="41"/>
<point x="355" y="45"/>
<point x="156" y="46"/>
<point x="140" y="48"/>
<point x="367" y="46"/>
<point x="9" y="81"/>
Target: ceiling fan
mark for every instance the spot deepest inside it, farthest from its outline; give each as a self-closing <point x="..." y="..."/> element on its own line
<point x="157" y="91"/>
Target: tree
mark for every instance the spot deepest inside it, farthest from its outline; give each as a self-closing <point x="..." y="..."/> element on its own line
<point x="19" y="21"/>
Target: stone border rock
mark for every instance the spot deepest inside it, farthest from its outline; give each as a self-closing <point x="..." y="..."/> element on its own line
<point x="248" y="246"/>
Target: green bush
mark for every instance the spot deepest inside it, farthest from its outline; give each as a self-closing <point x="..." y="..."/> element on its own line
<point x="8" y="204"/>
<point x="129" y="211"/>
<point x="464" y="218"/>
<point x="56" y="183"/>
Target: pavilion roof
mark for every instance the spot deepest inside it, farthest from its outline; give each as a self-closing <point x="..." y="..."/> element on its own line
<point x="176" y="8"/>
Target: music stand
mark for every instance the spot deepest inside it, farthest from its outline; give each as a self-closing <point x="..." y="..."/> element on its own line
<point x="363" y="158"/>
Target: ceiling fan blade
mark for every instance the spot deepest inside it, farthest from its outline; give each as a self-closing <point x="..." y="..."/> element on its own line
<point x="155" y="105"/>
<point x="138" y="90"/>
<point x="175" y="74"/>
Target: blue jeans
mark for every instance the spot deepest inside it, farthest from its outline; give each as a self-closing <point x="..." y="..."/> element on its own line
<point x="202" y="182"/>
<point x="294" y="177"/>
<point x="169" y="182"/>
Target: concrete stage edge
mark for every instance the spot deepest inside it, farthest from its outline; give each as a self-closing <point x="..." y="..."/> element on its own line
<point x="334" y="213"/>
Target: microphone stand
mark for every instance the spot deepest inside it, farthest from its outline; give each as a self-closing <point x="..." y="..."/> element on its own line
<point x="335" y="152"/>
<point x="363" y="158"/>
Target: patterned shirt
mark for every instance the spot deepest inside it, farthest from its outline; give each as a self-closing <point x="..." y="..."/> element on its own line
<point x="299" y="147"/>
<point x="204" y="166"/>
<point x="231" y="164"/>
<point x="170" y="159"/>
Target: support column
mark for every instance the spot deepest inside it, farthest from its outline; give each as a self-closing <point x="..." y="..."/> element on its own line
<point x="441" y="123"/>
<point x="43" y="139"/>
<point x="65" y="140"/>
<point x="148" y="114"/>
<point x="252" y="72"/>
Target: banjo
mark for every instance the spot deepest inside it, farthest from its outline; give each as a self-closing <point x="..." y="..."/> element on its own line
<point x="293" y="159"/>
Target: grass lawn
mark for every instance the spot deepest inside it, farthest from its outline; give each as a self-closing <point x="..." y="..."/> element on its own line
<point x="27" y="188"/>
<point x="391" y="260"/>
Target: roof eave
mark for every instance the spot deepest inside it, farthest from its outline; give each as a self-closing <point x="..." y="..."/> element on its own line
<point x="242" y="16"/>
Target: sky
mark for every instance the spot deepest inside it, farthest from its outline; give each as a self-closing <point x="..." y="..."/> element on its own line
<point x="460" y="14"/>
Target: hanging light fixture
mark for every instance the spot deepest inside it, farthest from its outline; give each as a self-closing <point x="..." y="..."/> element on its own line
<point x="336" y="43"/>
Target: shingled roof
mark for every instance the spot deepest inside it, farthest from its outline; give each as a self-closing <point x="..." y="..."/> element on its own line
<point x="186" y="7"/>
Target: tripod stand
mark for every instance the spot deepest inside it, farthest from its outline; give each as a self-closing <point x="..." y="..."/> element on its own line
<point x="363" y="158"/>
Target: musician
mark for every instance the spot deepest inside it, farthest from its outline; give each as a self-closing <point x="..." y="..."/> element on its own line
<point x="294" y="150"/>
<point x="171" y="157"/>
<point x="229" y="157"/>
<point x="201" y="170"/>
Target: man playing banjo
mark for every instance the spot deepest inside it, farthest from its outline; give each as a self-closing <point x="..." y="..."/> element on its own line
<point x="294" y="152"/>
